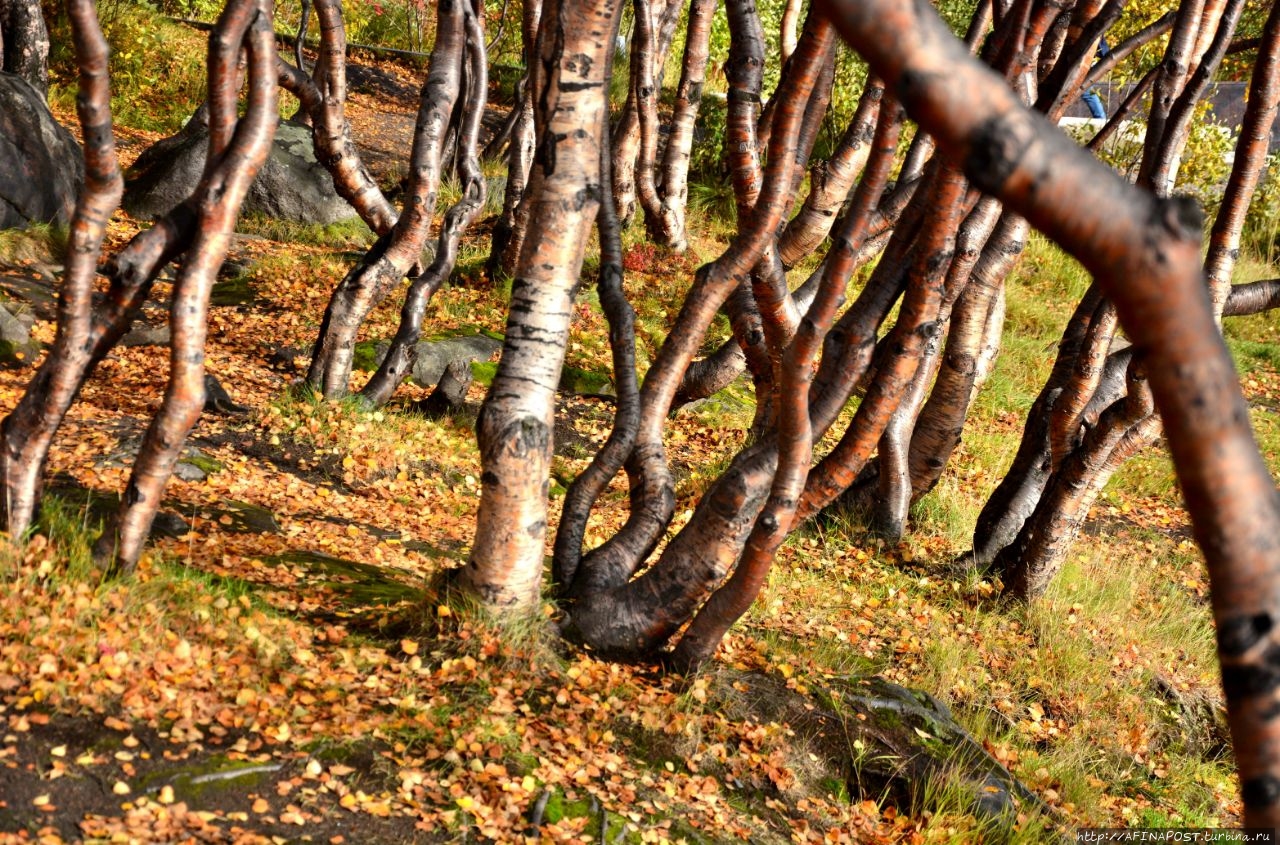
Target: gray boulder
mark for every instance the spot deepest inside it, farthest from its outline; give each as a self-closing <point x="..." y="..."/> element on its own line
<point x="887" y="740"/>
<point x="292" y="185"/>
<point x="16" y="345"/>
<point x="431" y="357"/>
<point x="41" y="167"/>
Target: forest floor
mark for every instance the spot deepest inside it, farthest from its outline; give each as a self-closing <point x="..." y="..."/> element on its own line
<point x="279" y="669"/>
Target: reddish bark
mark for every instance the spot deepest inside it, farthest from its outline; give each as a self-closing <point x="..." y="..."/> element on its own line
<point x="457" y="220"/>
<point x="399" y="252"/>
<point x="324" y="97"/>
<point x="1144" y="252"/>
<point x="237" y="149"/>
<point x="28" y="431"/>
<point x="612" y="613"/>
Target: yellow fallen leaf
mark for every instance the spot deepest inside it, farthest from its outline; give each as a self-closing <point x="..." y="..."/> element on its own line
<point x="121" y="788"/>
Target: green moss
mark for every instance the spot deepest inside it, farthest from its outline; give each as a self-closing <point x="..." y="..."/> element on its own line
<point x="483" y="372"/>
<point x="204" y="463"/>
<point x="365" y="355"/>
<point x="218" y="773"/>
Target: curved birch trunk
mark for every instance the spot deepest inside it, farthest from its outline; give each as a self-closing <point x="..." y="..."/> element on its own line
<point x="323" y="96"/>
<point x="457" y="220"/>
<point x="237" y="150"/>
<point x="508" y="232"/>
<point x="611" y="612"/>
<point x="1144" y="252"/>
<point x="517" y="418"/>
<point x="675" y="159"/>
<point x="397" y="253"/>
<point x="28" y="431"/>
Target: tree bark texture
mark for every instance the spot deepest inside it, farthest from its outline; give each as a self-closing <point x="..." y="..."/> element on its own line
<point x="28" y="431"/>
<point x="399" y="252"/>
<point x="517" y="418"/>
<point x="1145" y="254"/>
<point x="237" y="149"/>
<point x="1082" y="459"/>
<point x="617" y="450"/>
<point x="670" y="226"/>
<point x="24" y="42"/>
<point x="457" y="220"/>
<point x="324" y="96"/>
<point x="612" y="613"/>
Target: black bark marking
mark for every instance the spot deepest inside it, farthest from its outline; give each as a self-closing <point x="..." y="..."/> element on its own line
<point x="997" y="148"/>
<point x="1260" y="792"/>
<point x="1240" y="633"/>
<point x="579" y="63"/>
<point x="1239" y="681"/>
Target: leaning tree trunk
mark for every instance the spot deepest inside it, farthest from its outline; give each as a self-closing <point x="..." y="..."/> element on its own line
<point x="1145" y="253"/>
<point x="653" y="494"/>
<point x="609" y="611"/>
<point x="669" y="228"/>
<point x="395" y="365"/>
<point x="28" y="431"/>
<point x="516" y="421"/>
<point x="1083" y="459"/>
<point x="398" y="253"/>
<point x="587" y="488"/>
<point x="237" y="150"/>
<point x="509" y="230"/>
<point x="830" y="181"/>
<point x="323" y="96"/>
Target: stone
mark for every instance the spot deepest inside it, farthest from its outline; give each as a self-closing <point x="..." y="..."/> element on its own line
<point x="450" y="394"/>
<point x="431" y="357"/>
<point x="17" y="349"/>
<point x="292" y="185"/>
<point x="144" y="335"/>
<point x="41" y="166"/>
<point x="894" y="741"/>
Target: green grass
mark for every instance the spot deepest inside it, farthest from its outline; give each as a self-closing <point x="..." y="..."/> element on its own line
<point x="349" y="234"/>
<point x="157" y="67"/>
<point x="42" y="242"/>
